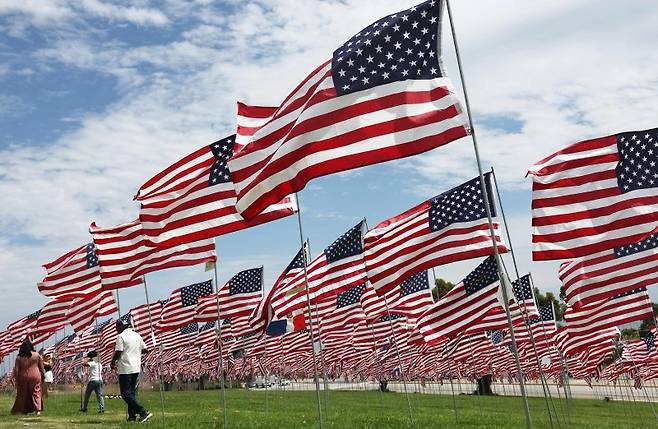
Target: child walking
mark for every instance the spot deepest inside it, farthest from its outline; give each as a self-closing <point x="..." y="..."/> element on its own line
<point x="95" y="383"/>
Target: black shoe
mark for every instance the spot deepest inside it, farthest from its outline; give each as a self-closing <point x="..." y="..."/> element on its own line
<point x="83" y="410"/>
<point x="131" y="419"/>
<point x="144" y="417"/>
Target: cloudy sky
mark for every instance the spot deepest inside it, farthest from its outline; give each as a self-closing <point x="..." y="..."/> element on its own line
<point x="97" y="96"/>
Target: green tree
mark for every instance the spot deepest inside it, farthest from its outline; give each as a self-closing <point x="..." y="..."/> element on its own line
<point x="441" y="287"/>
<point x="559" y="305"/>
<point x="646" y="324"/>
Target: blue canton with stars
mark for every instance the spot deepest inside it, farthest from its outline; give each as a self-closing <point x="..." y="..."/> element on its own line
<point x="222" y="150"/>
<point x="298" y="261"/>
<point x="485" y="274"/>
<point x="651" y="242"/>
<point x="496" y="336"/>
<point x="348" y="244"/>
<point x="638" y="160"/>
<point x="397" y="47"/>
<point x="415" y="283"/>
<point x="189" y="329"/>
<point x="650" y="341"/>
<point x="207" y="325"/>
<point x="247" y="281"/>
<point x="521" y="288"/>
<point x="98" y="329"/>
<point x="628" y="293"/>
<point x="92" y="258"/>
<point x="390" y="316"/>
<point x="464" y="203"/>
<point x="190" y="294"/>
<point x="350" y="296"/>
<point x="127" y="318"/>
<point x="546" y="313"/>
<point x="34" y="316"/>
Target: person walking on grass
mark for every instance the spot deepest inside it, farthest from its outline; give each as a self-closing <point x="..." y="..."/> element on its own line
<point x="128" y="360"/>
<point x="95" y="383"/>
<point x="28" y="377"/>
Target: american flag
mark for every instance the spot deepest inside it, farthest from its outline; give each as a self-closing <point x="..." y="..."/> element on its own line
<point x="602" y="275"/>
<point x="650" y="338"/>
<point x="618" y="310"/>
<point x="83" y="311"/>
<point x="124" y="255"/>
<point x="542" y="329"/>
<point x="410" y="299"/>
<point x="450" y="227"/>
<point x="181" y="307"/>
<point x="263" y="313"/>
<point x="182" y="337"/>
<point x="141" y="321"/>
<point x="238" y="297"/>
<point x="595" y="195"/>
<point x="194" y="199"/>
<point x="344" y="310"/>
<point x="53" y="315"/>
<point x="464" y="305"/>
<point x="20" y="329"/>
<point x="339" y="267"/>
<point x="381" y="96"/>
<point x="570" y="344"/>
<point x="72" y="274"/>
<point x="250" y="120"/>
<point x="525" y="296"/>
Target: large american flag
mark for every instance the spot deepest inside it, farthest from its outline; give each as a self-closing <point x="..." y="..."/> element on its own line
<point x="339" y="267"/>
<point x="463" y="305"/>
<point x="194" y="199"/>
<point x="263" y="313"/>
<point x="627" y="307"/>
<point x="595" y="195"/>
<point x="602" y="275"/>
<point x="238" y="297"/>
<point x="72" y="274"/>
<point x="181" y="306"/>
<point x="450" y="227"/>
<point x="124" y="254"/>
<point x="381" y="96"/>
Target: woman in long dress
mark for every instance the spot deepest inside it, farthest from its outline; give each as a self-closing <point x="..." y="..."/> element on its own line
<point x="28" y="376"/>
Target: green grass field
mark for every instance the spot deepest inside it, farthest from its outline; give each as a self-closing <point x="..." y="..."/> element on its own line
<point x="346" y="409"/>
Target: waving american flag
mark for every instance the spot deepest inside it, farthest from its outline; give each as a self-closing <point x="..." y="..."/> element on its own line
<point x="381" y="96"/>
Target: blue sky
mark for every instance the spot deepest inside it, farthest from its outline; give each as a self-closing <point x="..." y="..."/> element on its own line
<point x="97" y="96"/>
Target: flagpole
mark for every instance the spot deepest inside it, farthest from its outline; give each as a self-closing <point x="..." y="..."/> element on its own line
<point x="397" y="351"/>
<point x="218" y="332"/>
<point x="542" y="377"/>
<point x="526" y="407"/>
<point x="310" y="314"/>
<point x="155" y="349"/>
<point x="118" y="303"/>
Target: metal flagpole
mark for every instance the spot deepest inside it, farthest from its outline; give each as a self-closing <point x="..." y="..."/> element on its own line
<point x="118" y="303"/>
<point x="218" y="332"/>
<point x="485" y="197"/>
<point x="397" y="352"/>
<point x="155" y="350"/>
<point x="310" y="318"/>
<point x="542" y="377"/>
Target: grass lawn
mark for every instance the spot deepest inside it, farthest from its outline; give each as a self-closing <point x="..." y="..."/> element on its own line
<point x="346" y="409"/>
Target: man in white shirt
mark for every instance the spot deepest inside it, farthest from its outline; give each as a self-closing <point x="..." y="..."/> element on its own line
<point x="128" y="359"/>
<point x="95" y="383"/>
